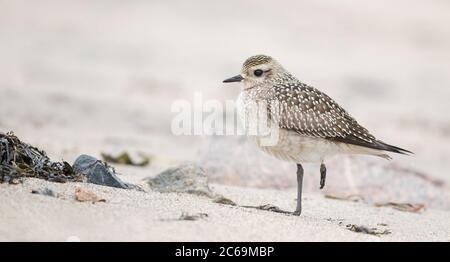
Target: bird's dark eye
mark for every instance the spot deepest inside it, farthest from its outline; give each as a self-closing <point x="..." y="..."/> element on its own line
<point x="258" y="72"/>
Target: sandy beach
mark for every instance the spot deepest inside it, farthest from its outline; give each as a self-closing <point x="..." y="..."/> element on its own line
<point x="96" y="77"/>
<point x="151" y="216"/>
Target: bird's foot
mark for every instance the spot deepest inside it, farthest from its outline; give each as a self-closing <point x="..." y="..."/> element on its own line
<point x="322" y="182"/>
<point x="297" y="212"/>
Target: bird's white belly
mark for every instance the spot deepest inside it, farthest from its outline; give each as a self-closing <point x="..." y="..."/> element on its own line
<point x="296" y="148"/>
<point x="288" y="145"/>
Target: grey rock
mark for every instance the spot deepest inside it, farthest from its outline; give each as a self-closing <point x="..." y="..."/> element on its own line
<point x="186" y="178"/>
<point x="45" y="191"/>
<point x="99" y="173"/>
<point x="224" y="201"/>
<point x="193" y="217"/>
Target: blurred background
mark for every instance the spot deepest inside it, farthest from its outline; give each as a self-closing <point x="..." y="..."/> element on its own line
<point x="100" y="76"/>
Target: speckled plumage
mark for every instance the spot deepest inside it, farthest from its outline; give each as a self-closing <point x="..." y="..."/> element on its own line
<point x="310" y="126"/>
<point x="307" y="112"/>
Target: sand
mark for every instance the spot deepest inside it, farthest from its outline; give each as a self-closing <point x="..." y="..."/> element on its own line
<point x="86" y="77"/>
<point x="128" y="215"/>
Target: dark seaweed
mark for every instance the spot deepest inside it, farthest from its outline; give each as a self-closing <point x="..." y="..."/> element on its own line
<point x="19" y="160"/>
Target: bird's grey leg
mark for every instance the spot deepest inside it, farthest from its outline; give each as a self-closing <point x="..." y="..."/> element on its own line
<point x="323" y="175"/>
<point x="298" y="210"/>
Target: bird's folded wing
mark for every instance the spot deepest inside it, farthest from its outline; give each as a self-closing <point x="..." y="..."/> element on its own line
<point x="309" y="112"/>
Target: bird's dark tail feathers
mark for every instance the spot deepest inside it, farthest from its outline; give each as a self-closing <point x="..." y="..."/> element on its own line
<point x="390" y="148"/>
<point x="377" y="144"/>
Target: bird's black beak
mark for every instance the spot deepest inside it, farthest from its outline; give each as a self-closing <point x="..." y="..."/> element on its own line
<point x="237" y="78"/>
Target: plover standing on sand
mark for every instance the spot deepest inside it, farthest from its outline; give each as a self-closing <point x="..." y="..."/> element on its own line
<point x="312" y="126"/>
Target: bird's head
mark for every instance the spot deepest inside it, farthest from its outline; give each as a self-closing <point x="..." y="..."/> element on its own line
<point x="257" y="70"/>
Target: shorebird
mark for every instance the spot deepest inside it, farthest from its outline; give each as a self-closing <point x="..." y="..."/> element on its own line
<point x="311" y="125"/>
